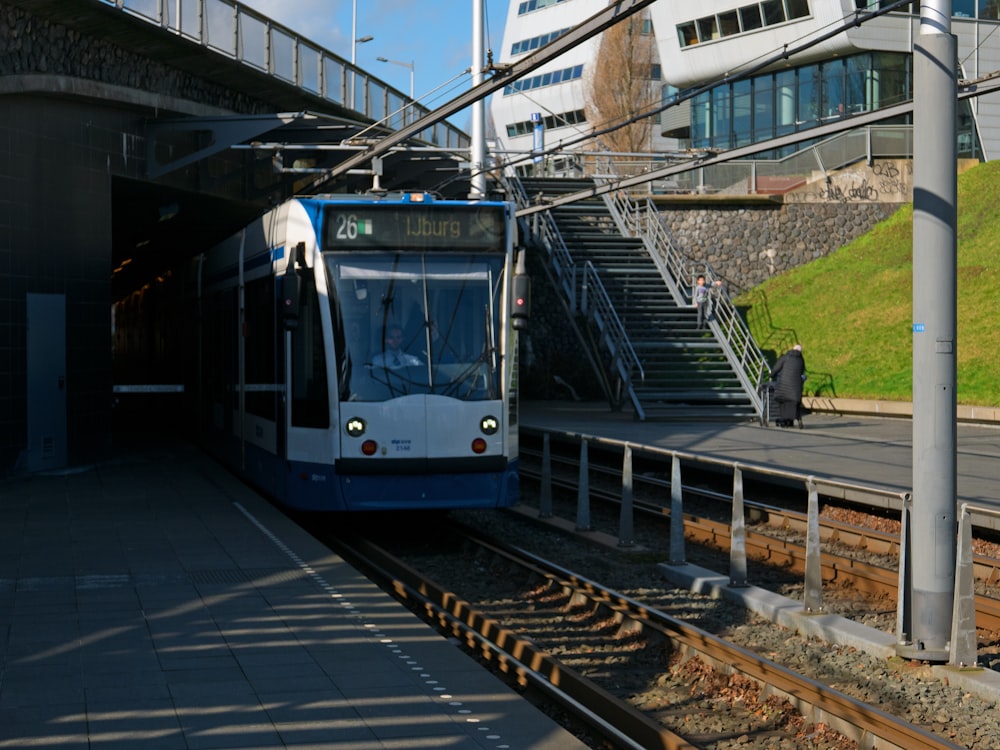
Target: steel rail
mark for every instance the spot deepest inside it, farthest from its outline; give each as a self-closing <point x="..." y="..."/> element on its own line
<point x="518" y="657"/>
<point x="864" y="723"/>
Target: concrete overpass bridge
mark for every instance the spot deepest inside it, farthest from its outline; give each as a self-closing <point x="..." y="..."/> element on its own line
<point x="133" y="134"/>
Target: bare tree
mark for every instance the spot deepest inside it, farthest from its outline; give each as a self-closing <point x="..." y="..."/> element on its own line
<point x="620" y="85"/>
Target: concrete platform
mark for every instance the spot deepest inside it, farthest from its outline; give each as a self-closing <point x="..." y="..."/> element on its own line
<point x="864" y="449"/>
<point x="156" y="602"/>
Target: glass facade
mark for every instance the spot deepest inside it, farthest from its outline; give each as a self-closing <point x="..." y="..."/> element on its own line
<point x="787" y="101"/>
<point x="985" y="10"/>
<point x="796" y="99"/>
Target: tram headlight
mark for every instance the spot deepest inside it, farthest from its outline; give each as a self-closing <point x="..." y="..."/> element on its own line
<point x="489" y="425"/>
<point x="356" y="427"/>
<point x="478" y="445"/>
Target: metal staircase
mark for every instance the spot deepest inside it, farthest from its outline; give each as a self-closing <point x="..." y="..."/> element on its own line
<point x="616" y="265"/>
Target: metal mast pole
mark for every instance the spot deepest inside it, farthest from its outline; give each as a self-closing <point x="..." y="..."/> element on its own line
<point x="354" y="32"/>
<point x="477" y="155"/>
<point x="932" y="544"/>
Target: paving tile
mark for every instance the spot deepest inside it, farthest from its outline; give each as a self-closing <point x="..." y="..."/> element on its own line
<point x="50" y="725"/>
<point x="145" y="724"/>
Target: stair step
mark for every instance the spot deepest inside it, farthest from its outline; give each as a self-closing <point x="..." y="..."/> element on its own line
<point x="686" y="372"/>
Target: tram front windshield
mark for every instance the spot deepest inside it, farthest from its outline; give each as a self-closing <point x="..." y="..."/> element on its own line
<point x="411" y="323"/>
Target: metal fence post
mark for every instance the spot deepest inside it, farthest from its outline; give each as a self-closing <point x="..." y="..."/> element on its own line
<point x="738" y="535"/>
<point x="545" y="497"/>
<point x="677" y="556"/>
<point x="626" y="531"/>
<point x="583" y="493"/>
<point x="964" y="648"/>
<point x="903" y="585"/>
<point x="814" y="570"/>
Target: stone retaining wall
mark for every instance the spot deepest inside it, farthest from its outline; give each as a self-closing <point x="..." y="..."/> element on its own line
<point x="748" y="244"/>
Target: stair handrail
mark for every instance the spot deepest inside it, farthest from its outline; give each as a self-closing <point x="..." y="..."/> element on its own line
<point x="597" y="304"/>
<point x="624" y="357"/>
<point x="672" y="264"/>
<point x="544" y="229"/>
<point x="679" y="273"/>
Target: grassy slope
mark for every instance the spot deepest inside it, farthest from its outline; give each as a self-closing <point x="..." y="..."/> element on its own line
<point x="852" y="310"/>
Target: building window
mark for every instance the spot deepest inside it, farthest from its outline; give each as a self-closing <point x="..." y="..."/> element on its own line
<point x="797" y="9"/>
<point x="750" y="17"/>
<point x="963" y="8"/>
<point x="551" y="122"/>
<point x="707" y="29"/>
<point x="833" y="93"/>
<point x="687" y="34"/>
<point x="544" y="79"/>
<point x="742" y="113"/>
<point x="528" y="45"/>
<point x="774" y="12"/>
<point x="808" y="99"/>
<point x="531" y="5"/>
<point x="743" y="19"/>
<point x="729" y="23"/>
<point x="763" y="108"/>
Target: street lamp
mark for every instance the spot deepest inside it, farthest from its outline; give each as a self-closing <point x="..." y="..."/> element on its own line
<point x="405" y="65"/>
<point x="355" y="39"/>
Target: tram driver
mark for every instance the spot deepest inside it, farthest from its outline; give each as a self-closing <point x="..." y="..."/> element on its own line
<point x="392" y="355"/>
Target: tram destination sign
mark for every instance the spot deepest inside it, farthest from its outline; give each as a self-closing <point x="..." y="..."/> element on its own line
<point x="414" y="227"/>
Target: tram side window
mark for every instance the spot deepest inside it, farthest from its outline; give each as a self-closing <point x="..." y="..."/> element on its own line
<point x="219" y="360"/>
<point x="308" y="381"/>
<point x="262" y="377"/>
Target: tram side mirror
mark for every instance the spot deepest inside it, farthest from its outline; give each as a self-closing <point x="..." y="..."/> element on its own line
<point x="520" y="301"/>
<point x="290" y="289"/>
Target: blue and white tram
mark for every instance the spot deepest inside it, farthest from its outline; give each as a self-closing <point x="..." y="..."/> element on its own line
<point x="358" y="353"/>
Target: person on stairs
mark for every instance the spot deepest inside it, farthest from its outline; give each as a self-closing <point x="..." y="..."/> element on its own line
<point x="701" y="298"/>
<point x="705" y="299"/>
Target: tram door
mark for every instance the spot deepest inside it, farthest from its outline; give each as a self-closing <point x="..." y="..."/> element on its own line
<point x="46" y="382"/>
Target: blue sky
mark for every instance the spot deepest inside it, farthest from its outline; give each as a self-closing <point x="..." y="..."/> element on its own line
<point x="434" y="35"/>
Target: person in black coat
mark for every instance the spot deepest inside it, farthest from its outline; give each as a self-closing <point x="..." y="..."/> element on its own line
<point x="789" y="373"/>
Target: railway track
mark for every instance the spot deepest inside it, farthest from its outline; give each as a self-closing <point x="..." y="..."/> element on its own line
<point x="864" y="559"/>
<point x="543" y="632"/>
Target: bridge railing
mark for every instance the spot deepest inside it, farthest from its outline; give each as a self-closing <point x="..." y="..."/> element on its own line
<point x="240" y="33"/>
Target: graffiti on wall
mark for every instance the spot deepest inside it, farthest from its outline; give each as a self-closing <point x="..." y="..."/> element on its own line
<point x="885" y="181"/>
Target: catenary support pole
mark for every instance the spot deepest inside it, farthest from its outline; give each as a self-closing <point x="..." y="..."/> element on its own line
<point x="477" y="157"/>
<point x="935" y="211"/>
